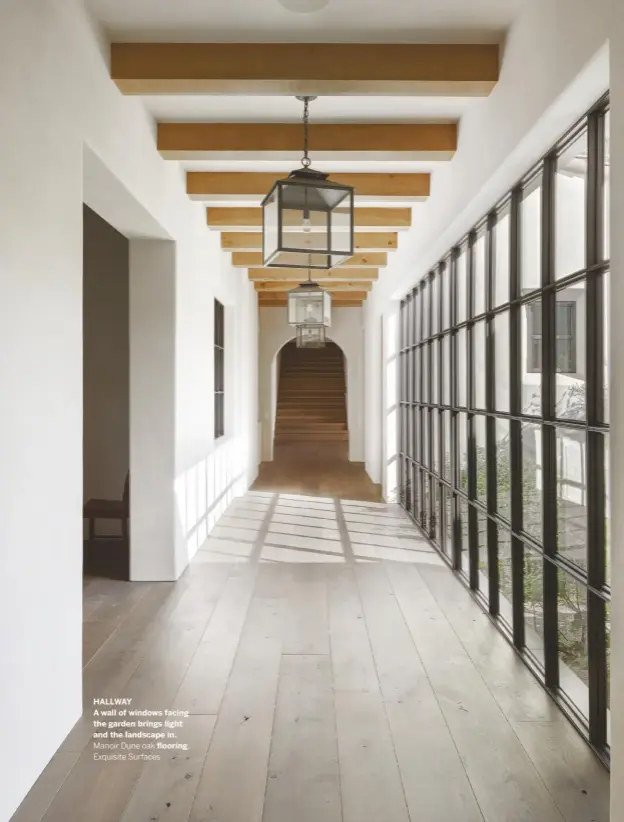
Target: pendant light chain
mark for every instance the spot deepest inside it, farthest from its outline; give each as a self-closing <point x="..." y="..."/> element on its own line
<point x="305" y="160"/>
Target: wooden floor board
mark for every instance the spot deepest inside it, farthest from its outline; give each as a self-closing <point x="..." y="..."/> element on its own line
<point x="304" y="775"/>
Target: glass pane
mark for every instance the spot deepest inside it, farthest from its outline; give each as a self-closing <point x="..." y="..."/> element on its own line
<point x="531" y="353"/>
<point x="503" y="473"/>
<point x="570" y="352"/>
<point x="605" y="342"/>
<point x="572" y="495"/>
<point x="606" y="238"/>
<point x="478" y="252"/>
<point x="424" y="366"/>
<point x="608" y="654"/>
<point x="504" y="576"/>
<point x="446" y="366"/>
<point x="446" y="468"/>
<point x="435" y="373"/>
<point x="482" y="544"/>
<point x="478" y="360"/>
<point x="417" y="374"/>
<point x="570" y="195"/>
<point x="448" y="545"/>
<point x="534" y="603"/>
<point x="446" y="296"/>
<point x="341" y="219"/>
<point x="435" y="304"/>
<point x="461" y="274"/>
<point x="607" y="512"/>
<point x="501" y="260"/>
<point x="480" y="443"/>
<point x="435" y="443"/>
<point x="462" y="424"/>
<point x="460" y="364"/>
<point x="463" y="513"/>
<point x="531" y="238"/>
<point x="269" y="225"/>
<point x="532" y="480"/>
<point x="572" y="629"/>
<point x="424" y="416"/>
<point x="501" y="361"/>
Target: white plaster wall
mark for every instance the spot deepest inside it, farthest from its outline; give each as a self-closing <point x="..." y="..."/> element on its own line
<point x="347" y="332"/>
<point x="67" y="134"/>
<point x="500" y="137"/>
<point x="616" y="411"/>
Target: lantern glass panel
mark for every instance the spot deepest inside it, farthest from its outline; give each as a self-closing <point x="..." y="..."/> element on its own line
<point x="270" y="223"/>
<point x="306" y="307"/>
<point x="341" y="227"/>
<point x="310" y="336"/>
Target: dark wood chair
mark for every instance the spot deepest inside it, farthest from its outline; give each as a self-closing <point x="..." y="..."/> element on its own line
<point x="95" y="509"/>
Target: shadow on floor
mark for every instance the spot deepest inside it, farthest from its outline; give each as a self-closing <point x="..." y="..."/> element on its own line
<point x="317" y="468"/>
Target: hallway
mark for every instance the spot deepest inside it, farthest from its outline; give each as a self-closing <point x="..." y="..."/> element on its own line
<point x="333" y="669"/>
<point x="316" y="468"/>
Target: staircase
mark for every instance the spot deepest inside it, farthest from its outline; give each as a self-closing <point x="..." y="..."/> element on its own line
<point x="311" y="395"/>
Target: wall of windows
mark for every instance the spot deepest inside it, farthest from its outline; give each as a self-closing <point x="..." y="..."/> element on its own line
<point x="504" y="424"/>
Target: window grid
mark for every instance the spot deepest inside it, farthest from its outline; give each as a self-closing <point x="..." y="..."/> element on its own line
<point x="534" y="435"/>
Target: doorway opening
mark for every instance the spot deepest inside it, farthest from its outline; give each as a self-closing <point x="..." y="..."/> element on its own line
<point x="106" y="399"/>
<point x="311" y="435"/>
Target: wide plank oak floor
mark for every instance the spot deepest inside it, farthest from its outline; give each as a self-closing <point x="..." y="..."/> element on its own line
<point x="334" y="670"/>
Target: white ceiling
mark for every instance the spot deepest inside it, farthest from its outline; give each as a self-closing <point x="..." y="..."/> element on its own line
<point x="230" y="109"/>
<point x="392" y="21"/>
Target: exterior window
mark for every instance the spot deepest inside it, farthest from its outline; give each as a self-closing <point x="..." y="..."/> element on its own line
<point x="219" y="369"/>
<point x="565" y="321"/>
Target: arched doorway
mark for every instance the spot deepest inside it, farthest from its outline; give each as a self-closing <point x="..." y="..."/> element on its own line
<point x="311" y="404"/>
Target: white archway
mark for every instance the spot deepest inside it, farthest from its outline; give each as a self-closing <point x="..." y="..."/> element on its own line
<point x="346" y="333"/>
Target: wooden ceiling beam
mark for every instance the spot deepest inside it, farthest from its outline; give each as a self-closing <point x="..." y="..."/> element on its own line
<point x="297" y="275"/>
<point x="282" y="304"/>
<point x="362" y="241"/>
<point x="246" y="185"/>
<point x="337" y="296"/>
<point x="252" y="259"/>
<point x="331" y="286"/>
<point x="328" y="141"/>
<point x="448" y="70"/>
<point x="250" y="219"/>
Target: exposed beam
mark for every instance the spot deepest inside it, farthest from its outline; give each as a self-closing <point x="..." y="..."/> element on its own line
<point x="332" y="286"/>
<point x="250" y="259"/>
<point x="250" y="219"/>
<point x="362" y="241"/>
<point x="305" y="68"/>
<point x="282" y="304"/>
<point x="297" y="275"/>
<point x="253" y="185"/>
<point x="328" y="141"/>
<point x="337" y="296"/>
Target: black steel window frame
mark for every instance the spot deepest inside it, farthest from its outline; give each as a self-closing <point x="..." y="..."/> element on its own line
<point x="219" y="369"/>
<point x="449" y="369"/>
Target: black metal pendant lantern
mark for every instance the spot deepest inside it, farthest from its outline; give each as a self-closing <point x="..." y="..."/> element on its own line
<point x="309" y="310"/>
<point x="307" y="221"/>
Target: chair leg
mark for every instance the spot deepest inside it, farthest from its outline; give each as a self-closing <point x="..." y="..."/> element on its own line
<point x="91" y="530"/>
